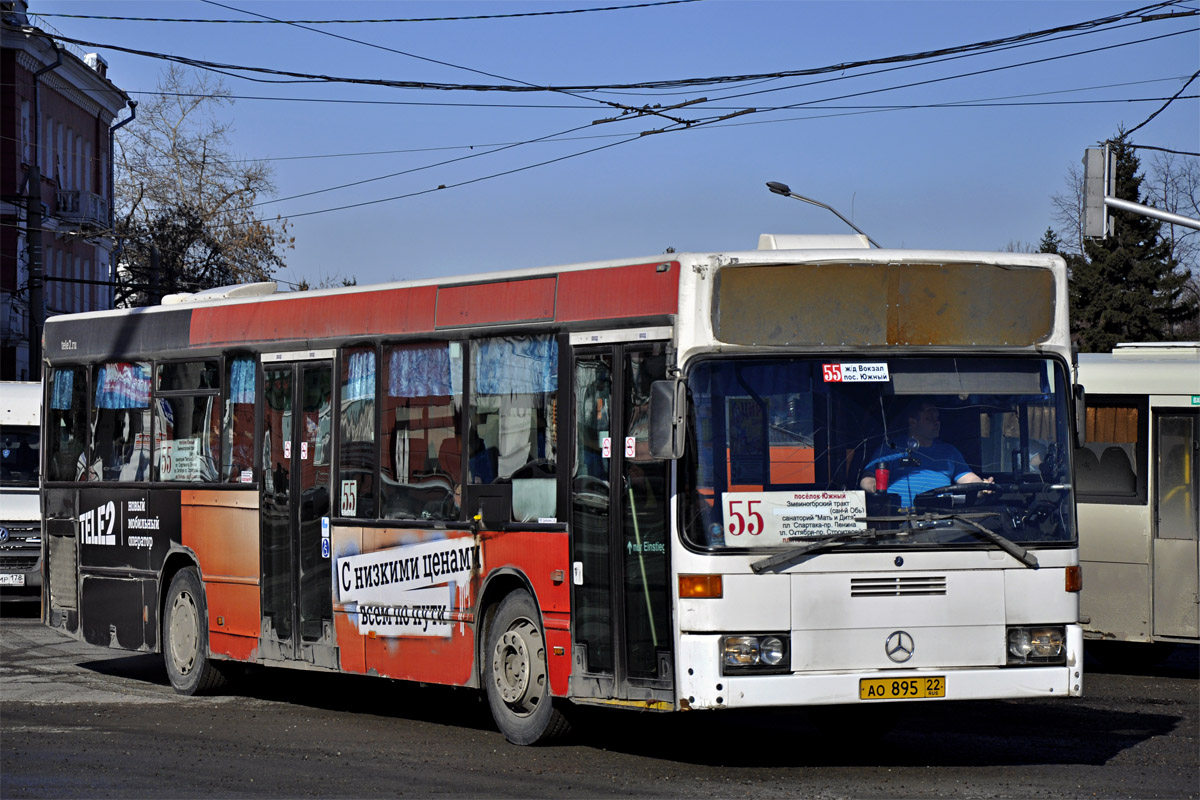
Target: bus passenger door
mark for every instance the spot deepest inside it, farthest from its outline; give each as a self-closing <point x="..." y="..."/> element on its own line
<point x="619" y="530"/>
<point x="1176" y="511"/>
<point x="297" y="593"/>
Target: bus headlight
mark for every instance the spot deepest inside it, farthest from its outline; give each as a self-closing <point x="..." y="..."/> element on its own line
<point x="743" y="653"/>
<point x="1037" y="645"/>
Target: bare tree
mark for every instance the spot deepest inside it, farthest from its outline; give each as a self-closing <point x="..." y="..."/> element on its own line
<point x="1068" y="212"/>
<point x="1173" y="184"/>
<point x="185" y="205"/>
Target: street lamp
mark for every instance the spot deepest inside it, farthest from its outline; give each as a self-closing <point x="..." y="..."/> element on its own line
<point x="782" y="188"/>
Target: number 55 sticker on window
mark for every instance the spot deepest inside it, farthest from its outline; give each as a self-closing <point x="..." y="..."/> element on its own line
<point x="763" y="519"/>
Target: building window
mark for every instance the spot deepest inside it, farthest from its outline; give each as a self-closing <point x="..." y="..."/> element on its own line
<point x="26" y="134"/>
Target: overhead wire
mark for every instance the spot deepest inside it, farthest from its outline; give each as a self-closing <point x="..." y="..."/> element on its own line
<point x="471" y="17"/>
<point x="301" y="77"/>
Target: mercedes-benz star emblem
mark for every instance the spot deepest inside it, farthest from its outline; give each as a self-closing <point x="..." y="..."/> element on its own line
<point x="899" y="646"/>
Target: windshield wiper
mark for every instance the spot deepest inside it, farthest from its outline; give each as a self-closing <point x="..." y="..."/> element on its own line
<point x="781" y="561"/>
<point x="1004" y="543"/>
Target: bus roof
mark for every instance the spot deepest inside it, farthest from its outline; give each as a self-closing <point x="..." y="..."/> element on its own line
<point x="1143" y="368"/>
<point x="641" y="291"/>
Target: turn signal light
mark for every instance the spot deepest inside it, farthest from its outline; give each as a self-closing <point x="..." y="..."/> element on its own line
<point x="697" y="586"/>
<point x="1074" y="579"/>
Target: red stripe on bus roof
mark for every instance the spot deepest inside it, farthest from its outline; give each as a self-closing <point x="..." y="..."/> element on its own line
<point x="386" y="311"/>
<point x="636" y="291"/>
<point x="528" y="300"/>
<point x="609" y="293"/>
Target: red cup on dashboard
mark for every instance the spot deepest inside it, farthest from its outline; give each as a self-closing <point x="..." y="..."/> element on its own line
<point x="881" y="479"/>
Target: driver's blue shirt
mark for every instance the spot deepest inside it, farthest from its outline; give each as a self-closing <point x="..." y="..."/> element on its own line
<point x="938" y="465"/>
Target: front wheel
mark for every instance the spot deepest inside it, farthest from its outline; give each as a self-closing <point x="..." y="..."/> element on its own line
<point x="185" y="637"/>
<point x="515" y="674"/>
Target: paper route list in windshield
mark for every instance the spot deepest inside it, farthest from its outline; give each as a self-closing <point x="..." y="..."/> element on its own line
<point x="767" y="519"/>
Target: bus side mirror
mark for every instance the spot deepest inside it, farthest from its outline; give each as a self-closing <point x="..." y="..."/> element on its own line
<point x="1080" y="416"/>
<point x="668" y="401"/>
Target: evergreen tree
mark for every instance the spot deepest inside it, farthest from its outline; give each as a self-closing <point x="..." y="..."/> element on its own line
<point x="1127" y="287"/>
<point x="1050" y="243"/>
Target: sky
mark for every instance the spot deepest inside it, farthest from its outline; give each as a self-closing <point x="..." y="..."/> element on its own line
<point x="960" y="152"/>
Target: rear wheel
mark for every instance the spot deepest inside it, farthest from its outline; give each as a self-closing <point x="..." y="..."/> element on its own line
<point x="515" y="674"/>
<point x="185" y="637"/>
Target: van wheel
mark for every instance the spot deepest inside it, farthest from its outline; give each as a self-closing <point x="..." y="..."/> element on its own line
<point x="515" y="674"/>
<point x="185" y="637"/>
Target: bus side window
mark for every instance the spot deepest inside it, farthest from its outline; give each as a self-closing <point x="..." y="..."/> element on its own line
<point x="421" y="399"/>
<point x="513" y="441"/>
<point x="66" y="426"/>
<point x="237" y="421"/>
<point x="121" y="422"/>
<point x="187" y="427"/>
<point x="1110" y="468"/>
<point x="357" y="453"/>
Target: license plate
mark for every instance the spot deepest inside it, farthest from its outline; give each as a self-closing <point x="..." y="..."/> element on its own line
<point x="12" y="580"/>
<point x="901" y="688"/>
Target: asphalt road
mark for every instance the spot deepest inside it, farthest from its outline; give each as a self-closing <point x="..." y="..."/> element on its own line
<point x="84" y="721"/>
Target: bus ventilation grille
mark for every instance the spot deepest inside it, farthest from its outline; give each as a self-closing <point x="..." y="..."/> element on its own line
<point x="900" y="586"/>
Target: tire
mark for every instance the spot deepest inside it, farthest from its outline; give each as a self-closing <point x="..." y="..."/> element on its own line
<point x="515" y="675"/>
<point x="185" y="637"/>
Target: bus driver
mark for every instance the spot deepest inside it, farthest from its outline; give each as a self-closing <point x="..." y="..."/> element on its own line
<point x="923" y="464"/>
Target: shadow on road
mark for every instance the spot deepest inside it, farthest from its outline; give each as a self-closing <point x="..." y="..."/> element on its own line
<point x="968" y="733"/>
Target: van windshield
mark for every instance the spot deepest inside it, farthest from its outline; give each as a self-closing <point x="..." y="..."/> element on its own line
<point x="785" y="451"/>
<point x="19" y="455"/>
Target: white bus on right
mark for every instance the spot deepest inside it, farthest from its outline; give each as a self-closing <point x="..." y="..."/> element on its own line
<point x="1137" y="490"/>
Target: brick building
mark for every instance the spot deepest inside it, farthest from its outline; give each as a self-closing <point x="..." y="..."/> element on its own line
<point x="57" y="109"/>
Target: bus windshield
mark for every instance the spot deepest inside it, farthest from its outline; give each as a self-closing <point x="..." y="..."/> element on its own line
<point x="787" y="451"/>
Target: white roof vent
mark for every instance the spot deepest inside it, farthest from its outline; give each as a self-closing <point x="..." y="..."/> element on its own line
<point x="791" y="241"/>
<point x="222" y="293"/>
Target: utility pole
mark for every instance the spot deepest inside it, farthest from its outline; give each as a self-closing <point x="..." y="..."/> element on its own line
<point x="37" y="273"/>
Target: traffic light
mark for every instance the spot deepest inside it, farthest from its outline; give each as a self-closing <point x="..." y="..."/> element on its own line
<point x="1099" y="171"/>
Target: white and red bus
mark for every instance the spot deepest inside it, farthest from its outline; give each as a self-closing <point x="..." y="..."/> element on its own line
<point x="632" y="483"/>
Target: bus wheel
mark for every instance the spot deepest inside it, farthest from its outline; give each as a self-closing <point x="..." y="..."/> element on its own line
<point x="515" y="674"/>
<point x="185" y="637"/>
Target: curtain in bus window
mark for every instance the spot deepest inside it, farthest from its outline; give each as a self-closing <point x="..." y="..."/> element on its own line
<point x="357" y="457"/>
<point x="241" y="380"/>
<point x="121" y="423"/>
<point x="359" y="380"/>
<point x="66" y="426"/>
<point x="420" y="468"/>
<point x="521" y="365"/>
<point x="425" y="371"/>
<point x="62" y="388"/>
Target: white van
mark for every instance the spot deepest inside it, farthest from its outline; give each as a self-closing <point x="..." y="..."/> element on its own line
<point x="20" y="512"/>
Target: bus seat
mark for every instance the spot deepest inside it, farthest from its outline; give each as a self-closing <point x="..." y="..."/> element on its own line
<point x="1116" y="473"/>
